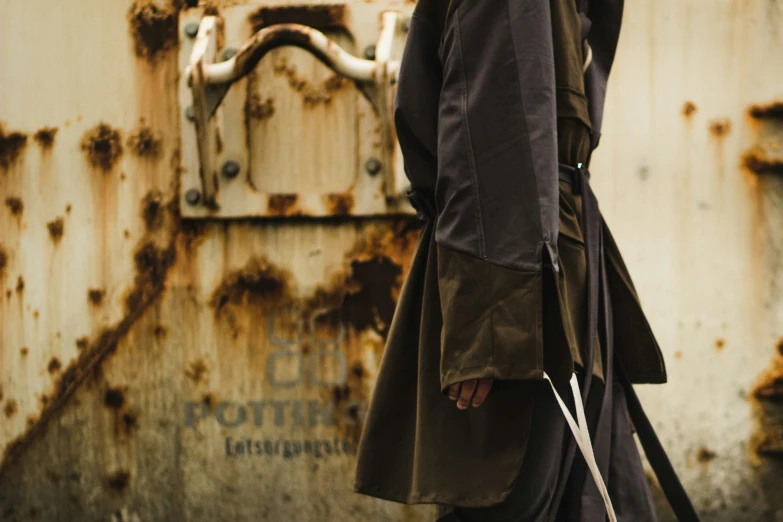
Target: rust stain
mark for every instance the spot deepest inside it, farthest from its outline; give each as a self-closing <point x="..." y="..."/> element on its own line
<point x="54" y="365"/>
<point x="11" y="146"/>
<point x="24" y="351"/>
<point x="678" y="355"/>
<point x="103" y="146"/>
<point x="95" y="296"/>
<point x="759" y="163"/>
<point x="153" y="28"/>
<point x="259" y="281"/>
<point x="19" y="285"/>
<point x="159" y="332"/>
<point x="1" y="392"/>
<point x="145" y="144"/>
<point x="10" y="408"/>
<point x="114" y="398"/>
<point x="321" y="17"/>
<point x="339" y="204"/>
<point x="771" y="444"/>
<point x="197" y="371"/>
<point x="152" y="265"/>
<point x="720" y="127"/>
<point x="68" y="208"/>
<point x="780" y="346"/>
<point x="769" y="110"/>
<point x="3" y="261"/>
<point x="705" y="455"/>
<point x="56" y="229"/>
<point x="15" y="205"/>
<point x="45" y="137"/>
<point x="152" y="210"/>
<point x="688" y="109"/>
<point x="282" y="204"/>
<point x="719" y="344"/>
<point x="81" y="343"/>
<point x="118" y="480"/>
<point x="312" y="94"/>
<point x="209" y="401"/>
<point x="129" y="422"/>
<point x="770" y="386"/>
<point x="259" y="109"/>
<point x="35" y="314"/>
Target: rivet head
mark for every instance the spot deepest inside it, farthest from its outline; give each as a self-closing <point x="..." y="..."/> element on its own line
<point x="190" y="113"/>
<point x="229" y="53"/>
<point x="373" y="166"/>
<point x="193" y="196"/>
<point x="230" y="169"/>
<point x="191" y="29"/>
<point x="369" y="52"/>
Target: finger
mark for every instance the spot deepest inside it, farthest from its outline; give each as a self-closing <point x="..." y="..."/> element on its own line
<point x="454" y="391"/>
<point x="482" y="390"/>
<point x="466" y="395"/>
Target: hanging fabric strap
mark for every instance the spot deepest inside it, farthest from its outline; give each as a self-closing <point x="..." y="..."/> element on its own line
<point x="582" y="438"/>
<point x="656" y="455"/>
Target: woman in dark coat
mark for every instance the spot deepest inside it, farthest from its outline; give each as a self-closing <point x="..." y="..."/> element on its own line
<point x="515" y="277"/>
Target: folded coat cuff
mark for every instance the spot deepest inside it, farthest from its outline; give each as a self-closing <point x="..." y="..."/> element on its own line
<point x="492" y="320"/>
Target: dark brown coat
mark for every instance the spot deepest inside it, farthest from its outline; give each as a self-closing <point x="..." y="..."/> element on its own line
<point x="483" y="168"/>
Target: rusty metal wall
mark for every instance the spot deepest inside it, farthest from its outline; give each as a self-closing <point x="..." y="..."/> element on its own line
<point x="140" y="352"/>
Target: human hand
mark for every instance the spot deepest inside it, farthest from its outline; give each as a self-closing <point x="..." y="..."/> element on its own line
<point x="470" y="392"/>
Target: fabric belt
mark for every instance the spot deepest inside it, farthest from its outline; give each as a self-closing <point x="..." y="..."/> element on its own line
<point x="598" y="286"/>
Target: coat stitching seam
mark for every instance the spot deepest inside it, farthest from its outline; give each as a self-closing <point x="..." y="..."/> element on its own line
<point x="469" y="142"/>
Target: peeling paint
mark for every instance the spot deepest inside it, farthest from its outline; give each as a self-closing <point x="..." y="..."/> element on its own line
<point x="145" y="144"/>
<point x="118" y="480"/>
<point x="95" y="296"/>
<point x="769" y="110"/>
<point x="688" y="109"/>
<point x="258" y="109"/>
<point x="152" y="210"/>
<point x="54" y="365"/>
<point x="11" y="146"/>
<point x="56" y="229"/>
<point x="720" y="127"/>
<point x="15" y="205"/>
<point x="153" y="28"/>
<point x="759" y="163"/>
<point x="10" y="408"/>
<point x="322" y="17"/>
<point x="197" y="371"/>
<point x="311" y="94"/>
<point x="45" y="137"/>
<point x="103" y="146"/>
<point x="259" y="281"/>
<point x="114" y="398"/>
<point x="282" y="204"/>
<point x="339" y="204"/>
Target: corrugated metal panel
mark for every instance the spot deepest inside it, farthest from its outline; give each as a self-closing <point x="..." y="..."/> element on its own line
<point x="135" y="344"/>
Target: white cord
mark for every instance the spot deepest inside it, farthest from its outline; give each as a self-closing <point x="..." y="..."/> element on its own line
<point x="582" y="436"/>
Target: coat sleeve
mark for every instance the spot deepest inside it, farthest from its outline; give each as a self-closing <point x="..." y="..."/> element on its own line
<point x="497" y="187"/>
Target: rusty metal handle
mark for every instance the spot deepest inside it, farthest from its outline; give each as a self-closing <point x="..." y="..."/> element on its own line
<point x="209" y="82"/>
<point x="327" y="51"/>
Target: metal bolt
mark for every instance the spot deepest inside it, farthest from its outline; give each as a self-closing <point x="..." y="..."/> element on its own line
<point x="230" y="169"/>
<point x="373" y="166"/>
<point x="229" y="53"/>
<point x="193" y="196"/>
<point x="190" y="113"/>
<point x="369" y="52"/>
<point x="191" y="29"/>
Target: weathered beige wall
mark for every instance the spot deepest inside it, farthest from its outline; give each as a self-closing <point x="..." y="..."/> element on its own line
<point x="121" y="325"/>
